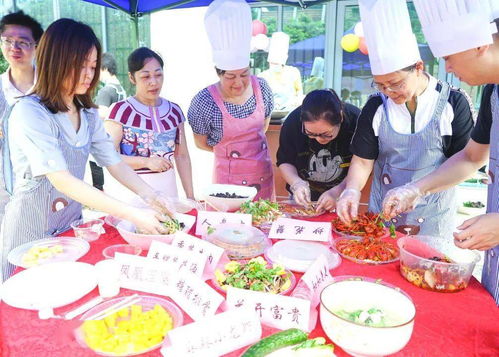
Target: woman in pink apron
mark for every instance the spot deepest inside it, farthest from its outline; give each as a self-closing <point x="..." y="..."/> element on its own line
<point x="231" y="116"/>
<point x="148" y="131"/>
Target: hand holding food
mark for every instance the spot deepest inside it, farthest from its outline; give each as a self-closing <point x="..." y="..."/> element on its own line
<point x="159" y="164"/>
<point x="401" y="199"/>
<point x="301" y="192"/>
<point x="481" y="232"/>
<point x="327" y="201"/>
<point x="159" y="202"/>
<point x="347" y="206"/>
<point x="147" y="221"/>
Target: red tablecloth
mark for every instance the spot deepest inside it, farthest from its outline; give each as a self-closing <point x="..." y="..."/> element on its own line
<point x="460" y="324"/>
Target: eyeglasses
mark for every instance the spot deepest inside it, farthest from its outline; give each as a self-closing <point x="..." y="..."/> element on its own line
<point x="23" y="45"/>
<point x="392" y="88"/>
<point x="333" y="134"/>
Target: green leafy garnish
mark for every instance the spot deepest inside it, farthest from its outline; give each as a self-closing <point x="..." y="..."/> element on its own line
<point x="173" y="226"/>
<point x="210" y="230"/>
<point x="393" y="232"/>
<point x="261" y="210"/>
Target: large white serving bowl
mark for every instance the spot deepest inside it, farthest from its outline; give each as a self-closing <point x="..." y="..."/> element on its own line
<point x="228" y="204"/>
<point x="354" y="293"/>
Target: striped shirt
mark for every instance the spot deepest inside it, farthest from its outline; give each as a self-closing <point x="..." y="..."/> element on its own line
<point x="147" y="131"/>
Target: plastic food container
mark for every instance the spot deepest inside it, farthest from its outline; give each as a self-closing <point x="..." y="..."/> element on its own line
<point x="421" y="263"/>
<point x="228" y="204"/>
<point x="110" y="251"/>
<point x="88" y="230"/>
<point x="239" y="241"/>
<point x="351" y="294"/>
<point x="290" y="275"/>
<point x="147" y="303"/>
<point x="297" y="255"/>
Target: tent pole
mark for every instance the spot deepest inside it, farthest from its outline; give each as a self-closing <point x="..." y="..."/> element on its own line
<point x="135" y="20"/>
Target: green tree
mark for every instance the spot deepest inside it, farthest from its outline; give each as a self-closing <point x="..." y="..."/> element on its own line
<point x="3" y="64"/>
<point x="303" y="28"/>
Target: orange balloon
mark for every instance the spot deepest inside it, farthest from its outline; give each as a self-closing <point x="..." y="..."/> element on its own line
<point x="363" y="46"/>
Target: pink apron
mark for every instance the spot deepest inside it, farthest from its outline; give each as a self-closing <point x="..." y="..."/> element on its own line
<point x="242" y="156"/>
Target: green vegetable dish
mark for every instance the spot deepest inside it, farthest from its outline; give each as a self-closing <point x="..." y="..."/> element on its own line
<point x="255" y="275"/>
<point x="173" y="226"/>
<point x="373" y="317"/>
<point x="262" y="211"/>
<point x="471" y="204"/>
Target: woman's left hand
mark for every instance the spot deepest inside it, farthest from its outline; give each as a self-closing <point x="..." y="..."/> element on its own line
<point x="481" y="232"/>
<point x="327" y="201"/>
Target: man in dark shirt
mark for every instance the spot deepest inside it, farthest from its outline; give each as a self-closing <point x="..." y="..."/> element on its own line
<point x="314" y="152"/>
<point x="112" y="92"/>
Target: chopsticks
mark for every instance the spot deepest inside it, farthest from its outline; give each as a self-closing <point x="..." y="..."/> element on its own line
<point x="128" y="301"/>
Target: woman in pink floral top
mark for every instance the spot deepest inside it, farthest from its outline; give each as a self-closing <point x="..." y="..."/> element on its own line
<point x="149" y="130"/>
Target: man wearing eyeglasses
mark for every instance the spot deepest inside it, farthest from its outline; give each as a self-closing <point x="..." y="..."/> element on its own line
<point x="407" y="129"/>
<point x="19" y="34"/>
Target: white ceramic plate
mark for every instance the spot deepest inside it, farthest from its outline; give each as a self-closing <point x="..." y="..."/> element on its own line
<point x="297" y="255"/>
<point x="49" y="285"/>
<point x="72" y="250"/>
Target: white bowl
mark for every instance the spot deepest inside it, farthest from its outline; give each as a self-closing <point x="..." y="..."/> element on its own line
<point x="228" y="204"/>
<point x="129" y="233"/>
<point x="354" y="293"/>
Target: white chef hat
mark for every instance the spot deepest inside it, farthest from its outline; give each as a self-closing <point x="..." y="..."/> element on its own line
<point x="388" y="35"/>
<point x="454" y="26"/>
<point x="278" y="48"/>
<point x="228" y="25"/>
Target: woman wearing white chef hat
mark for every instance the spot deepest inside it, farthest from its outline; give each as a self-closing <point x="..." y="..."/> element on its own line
<point x="407" y="129"/>
<point x="285" y="81"/>
<point x="462" y="32"/>
<point x="231" y="116"/>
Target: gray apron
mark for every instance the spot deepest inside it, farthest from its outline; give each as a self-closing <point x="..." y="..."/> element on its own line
<point x="42" y="210"/>
<point x="405" y="158"/>
<point x="490" y="272"/>
<point x="4" y="111"/>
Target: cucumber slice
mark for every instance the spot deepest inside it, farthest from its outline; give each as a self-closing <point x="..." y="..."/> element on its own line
<point x="276" y="341"/>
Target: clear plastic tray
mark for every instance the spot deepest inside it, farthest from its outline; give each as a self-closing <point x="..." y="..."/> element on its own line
<point x="72" y="250"/>
<point x="147" y="303"/>
<point x="239" y="241"/>
<point x="298" y="255"/>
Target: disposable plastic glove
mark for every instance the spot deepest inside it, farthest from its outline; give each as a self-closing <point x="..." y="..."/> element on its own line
<point x="301" y="192"/>
<point x="401" y="199"/>
<point x="347" y="206"/>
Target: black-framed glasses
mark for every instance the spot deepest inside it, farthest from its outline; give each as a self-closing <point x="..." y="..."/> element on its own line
<point x="21" y="44"/>
<point x="334" y="132"/>
<point x="392" y="88"/>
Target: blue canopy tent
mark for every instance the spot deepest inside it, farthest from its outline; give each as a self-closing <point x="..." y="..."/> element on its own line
<point x="137" y="8"/>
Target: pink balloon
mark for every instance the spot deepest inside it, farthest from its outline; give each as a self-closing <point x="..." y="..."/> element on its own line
<point x="259" y="28"/>
<point x="363" y="46"/>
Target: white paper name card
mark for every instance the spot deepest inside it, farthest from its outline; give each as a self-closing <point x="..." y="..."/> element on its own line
<point x="180" y="258"/>
<point x="316" y="278"/>
<point x="195" y="297"/>
<point x="198" y="246"/>
<point x="287" y="228"/>
<point x="211" y="219"/>
<point x="274" y="310"/>
<point x="214" y="336"/>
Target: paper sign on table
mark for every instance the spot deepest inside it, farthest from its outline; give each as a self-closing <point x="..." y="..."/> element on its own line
<point x="214" y="336"/>
<point x="211" y="219"/>
<point x="189" y="243"/>
<point x="288" y="228"/>
<point x="180" y="258"/>
<point x="316" y="278"/>
<point x="274" y="310"/>
<point x="195" y="297"/>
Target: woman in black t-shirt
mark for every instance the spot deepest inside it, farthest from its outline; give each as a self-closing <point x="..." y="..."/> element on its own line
<point x="314" y="153"/>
